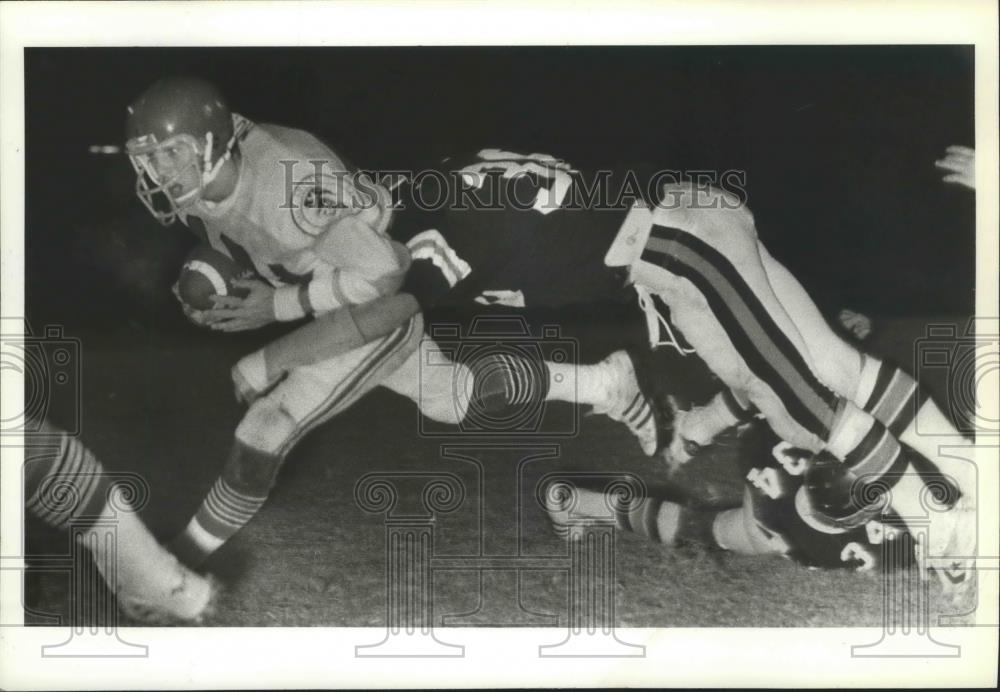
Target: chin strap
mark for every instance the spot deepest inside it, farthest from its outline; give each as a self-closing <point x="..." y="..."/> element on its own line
<point x="655" y="320"/>
<point x="241" y="126"/>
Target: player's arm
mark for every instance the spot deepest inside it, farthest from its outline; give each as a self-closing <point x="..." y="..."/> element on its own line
<point x="344" y="329"/>
<point x="329" y="290"/>
<point x="434" y="271"/>
<point x="358" y="264"/>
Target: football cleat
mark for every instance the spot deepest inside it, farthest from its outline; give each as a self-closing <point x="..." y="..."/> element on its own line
<point x="625" y="402"/>
<point x="180" y="597"/>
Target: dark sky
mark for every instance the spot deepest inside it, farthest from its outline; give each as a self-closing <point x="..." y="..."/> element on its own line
<point x="838" y="145"/>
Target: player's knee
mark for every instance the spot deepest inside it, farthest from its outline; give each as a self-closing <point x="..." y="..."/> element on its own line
<point x="445" y="393"/>
<point x="252" y="472"/>
<point x="779" y="420"/>
<point x="262" y="440"/>
<point x="266" y="427"/>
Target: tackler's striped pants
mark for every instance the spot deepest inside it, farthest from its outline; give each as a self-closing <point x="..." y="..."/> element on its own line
<point x="759" y="331"/>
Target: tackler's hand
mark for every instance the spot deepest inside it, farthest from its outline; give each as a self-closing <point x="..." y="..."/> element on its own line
<point x="961" y="162"/>
<point x="234" y="314"/>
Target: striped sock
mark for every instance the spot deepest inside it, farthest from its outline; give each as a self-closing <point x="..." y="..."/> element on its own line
<point x="656" y="518"/>
<point x="866" y="446"/>
<point x="234" y="499"/>
<point x="64" y="482"/>
<point x="890" y="400"/>
<point x="888" y="394"/>
<point x="895" y="399"/>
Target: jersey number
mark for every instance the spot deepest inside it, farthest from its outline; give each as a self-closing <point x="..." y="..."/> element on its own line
<point x="767" y="481"/>
<point x="556" y="172"/>
<point x="794" y="464"/>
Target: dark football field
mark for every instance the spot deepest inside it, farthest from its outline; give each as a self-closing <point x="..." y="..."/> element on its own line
<point x="314" y="556"/>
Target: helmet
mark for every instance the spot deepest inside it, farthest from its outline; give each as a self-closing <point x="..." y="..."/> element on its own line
<point x="178" y="134"/>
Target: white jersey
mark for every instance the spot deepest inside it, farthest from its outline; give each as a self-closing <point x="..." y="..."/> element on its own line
<point x="289" y="192"/>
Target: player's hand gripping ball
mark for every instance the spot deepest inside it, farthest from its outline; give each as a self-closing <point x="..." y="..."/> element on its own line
<point x="206" y="273"/>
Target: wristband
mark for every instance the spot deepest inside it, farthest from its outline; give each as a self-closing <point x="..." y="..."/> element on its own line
<point x="287" y="305"/>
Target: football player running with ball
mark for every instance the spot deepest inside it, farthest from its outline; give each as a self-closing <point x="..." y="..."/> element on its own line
<point x="255" y="193"/>
<point x="750" y="321"/>
<point x="281" y="201"/>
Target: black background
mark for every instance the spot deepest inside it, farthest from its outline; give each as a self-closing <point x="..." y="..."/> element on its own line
<point x="837" y="142"/>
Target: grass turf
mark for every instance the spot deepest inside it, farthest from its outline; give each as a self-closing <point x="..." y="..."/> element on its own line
<point x="313" y="557"/>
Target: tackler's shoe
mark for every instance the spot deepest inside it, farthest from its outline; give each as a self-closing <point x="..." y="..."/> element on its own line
<point x="625" y="402"/>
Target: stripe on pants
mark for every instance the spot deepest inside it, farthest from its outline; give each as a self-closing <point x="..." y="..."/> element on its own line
<point x="769" y="354"/>
<point x="347" y="390"/>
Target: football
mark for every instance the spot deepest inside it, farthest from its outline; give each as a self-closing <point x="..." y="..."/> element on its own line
<point x="206" y="272"/>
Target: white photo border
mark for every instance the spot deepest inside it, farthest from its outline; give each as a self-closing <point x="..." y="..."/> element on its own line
<point x="324" y="657"/>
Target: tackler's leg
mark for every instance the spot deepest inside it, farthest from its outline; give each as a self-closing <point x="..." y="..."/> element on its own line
<point x="272" y="426"/>
<point x="493" y="384"/>
<point x="889" y="394"/>
<point x="702" y="257"/>
<point x="879" y="387"/>
<point x="571" y="507"/>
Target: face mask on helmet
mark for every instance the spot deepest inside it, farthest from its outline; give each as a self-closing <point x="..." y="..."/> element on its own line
<point x="172" y="175"/>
